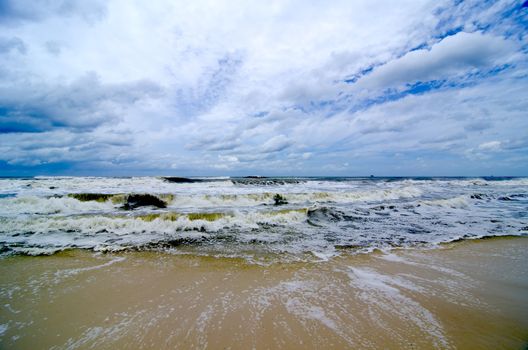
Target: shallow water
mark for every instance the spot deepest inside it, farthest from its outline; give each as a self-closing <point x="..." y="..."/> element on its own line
<point x="466" y="295"/>
<point x="237" y="217"/>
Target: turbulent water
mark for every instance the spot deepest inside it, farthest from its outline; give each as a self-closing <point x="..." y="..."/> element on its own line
<point x="256" y="218"/>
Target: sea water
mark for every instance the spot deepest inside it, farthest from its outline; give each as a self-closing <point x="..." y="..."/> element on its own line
<point x="316" y="217"/>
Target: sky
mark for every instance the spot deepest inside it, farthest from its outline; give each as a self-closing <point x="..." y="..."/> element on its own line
<point x="344" y="88"/>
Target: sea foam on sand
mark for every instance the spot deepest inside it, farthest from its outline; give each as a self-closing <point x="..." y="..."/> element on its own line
<point x="466" y="295"/>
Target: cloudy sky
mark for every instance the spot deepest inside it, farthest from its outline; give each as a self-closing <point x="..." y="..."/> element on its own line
<point x="265" y="87"/>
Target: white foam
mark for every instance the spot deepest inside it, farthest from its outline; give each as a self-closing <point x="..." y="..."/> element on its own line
<point x="363" y="213"/>
<point x="53" y="205"/>
<point x="101" y="233"/>
<point x="300" y="308"/>
<point x="384" y="293"/>
<point x="325" y="255"/>
<point x="72" y="272"/>
<point x="455" y="202"/>
<point x="254" y="199"/>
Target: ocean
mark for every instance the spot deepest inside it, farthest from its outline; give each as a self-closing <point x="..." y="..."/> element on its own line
<point x="260" y="219"/>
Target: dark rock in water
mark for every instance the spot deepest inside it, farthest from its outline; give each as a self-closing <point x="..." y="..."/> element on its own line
<point x="477" y="196"/>
<point x="143" y="200"/>
<point x="52" y="187"/>
<point x="505" y="198"/>
<point x="180" y="180"/>
<point x="279" y="200"/>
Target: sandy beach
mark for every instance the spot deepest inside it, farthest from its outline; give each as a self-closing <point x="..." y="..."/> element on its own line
<point x="470" y="294"/>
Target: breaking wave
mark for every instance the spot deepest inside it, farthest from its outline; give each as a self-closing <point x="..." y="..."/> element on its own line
<point x="317" y="217"/>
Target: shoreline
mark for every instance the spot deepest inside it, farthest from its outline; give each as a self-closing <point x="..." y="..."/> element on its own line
<point x="465" y="294"/>
<point x="181" y="249"/>
<point x="191" y="250"/>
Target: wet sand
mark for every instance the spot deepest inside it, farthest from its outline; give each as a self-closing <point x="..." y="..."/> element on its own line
<point x="466" y="295"/>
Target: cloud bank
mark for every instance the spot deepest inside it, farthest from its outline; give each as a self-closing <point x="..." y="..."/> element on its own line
<point x="283" y="87"/>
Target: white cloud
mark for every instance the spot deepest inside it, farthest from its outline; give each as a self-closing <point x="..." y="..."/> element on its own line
<point x="490" y="146"/>
<point x="208" y="84"/>
<point x="454" y="55"/>
<point x="276" y="144"/>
